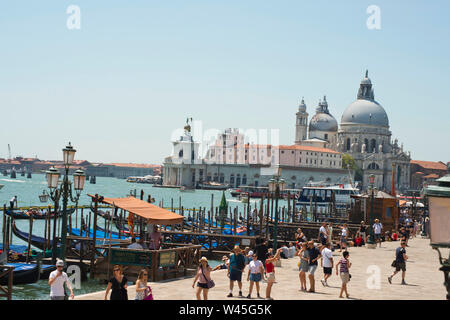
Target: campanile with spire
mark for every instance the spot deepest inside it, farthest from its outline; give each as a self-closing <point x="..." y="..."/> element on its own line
<point x="301" y="125"/>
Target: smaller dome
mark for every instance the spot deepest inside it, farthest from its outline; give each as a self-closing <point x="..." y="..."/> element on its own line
<point x="323" y="122"/>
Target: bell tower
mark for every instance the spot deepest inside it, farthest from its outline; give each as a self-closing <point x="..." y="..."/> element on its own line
<point x="301" y="125"/>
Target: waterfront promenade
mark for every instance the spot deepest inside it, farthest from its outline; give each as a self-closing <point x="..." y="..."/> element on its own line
<point x="423" y="277"/>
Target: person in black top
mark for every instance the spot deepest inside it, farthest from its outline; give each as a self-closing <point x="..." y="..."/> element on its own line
<point x="362" y="230"/>
<point x="261" y="251"/>
<point x="118" y="285"/>
<point x="400" y="262"/>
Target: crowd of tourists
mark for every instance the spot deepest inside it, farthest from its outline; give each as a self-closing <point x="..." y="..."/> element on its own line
<point x="257" y="264"/>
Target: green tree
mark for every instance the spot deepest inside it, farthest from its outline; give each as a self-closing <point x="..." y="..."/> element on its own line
<point x="348" y="162"/>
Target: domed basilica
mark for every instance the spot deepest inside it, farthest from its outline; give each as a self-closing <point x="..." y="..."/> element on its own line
<point x="364" y="134"/>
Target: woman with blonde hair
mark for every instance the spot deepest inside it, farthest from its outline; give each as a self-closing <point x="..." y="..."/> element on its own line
<point x="142" y="289"/>
<point x="204" y="279"/>
<point x="303" y="265"/>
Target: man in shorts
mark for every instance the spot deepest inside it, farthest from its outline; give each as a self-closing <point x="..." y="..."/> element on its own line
<point x="377" y="227"/>
<point x="236" y="266"/>
<point x="314" y="255"/>
<point x="400" y="262"/>
<point x="327" y="263"/>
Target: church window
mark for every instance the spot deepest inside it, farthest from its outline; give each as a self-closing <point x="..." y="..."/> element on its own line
<point x="348" y="144"/>
<point x="180" y="154"/>
<point x="373" y="145"/>
<point x="326" y="136"/>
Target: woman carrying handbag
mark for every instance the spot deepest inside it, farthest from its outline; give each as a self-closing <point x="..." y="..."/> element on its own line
<point x="204" y="279"/>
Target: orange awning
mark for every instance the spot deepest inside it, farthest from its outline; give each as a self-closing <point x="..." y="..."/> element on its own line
<point x="153" y="214"/>
<point x="401" y="203"/>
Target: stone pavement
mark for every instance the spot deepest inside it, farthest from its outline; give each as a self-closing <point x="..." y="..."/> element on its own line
<point x="423" y="278"/>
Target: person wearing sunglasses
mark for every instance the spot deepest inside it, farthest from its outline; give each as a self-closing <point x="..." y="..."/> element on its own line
<point x="56" y="281"/>
<point x="117" y="285"/>
<point x="255" y="275"/>
<point x="142" y="289"/>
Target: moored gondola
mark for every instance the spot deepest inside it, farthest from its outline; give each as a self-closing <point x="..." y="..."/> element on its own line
<point x="23" y="273"/>
<point x="36" y="241"/>
<point x="20" y="215"/>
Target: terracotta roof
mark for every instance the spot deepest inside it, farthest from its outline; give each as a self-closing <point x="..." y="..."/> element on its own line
<point x="307" y="148"/>
<point x="286" y="147"/>
<point x="135" y="165"/>
<point x="431" y="176"/>
<point x="430" y="164"/>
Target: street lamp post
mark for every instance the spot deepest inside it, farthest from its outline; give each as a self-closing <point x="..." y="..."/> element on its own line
<point x="65" y="189"/>
<point x="372" y="189"/>
<point x="439" y="202"/>
<point x="276" y="185"/>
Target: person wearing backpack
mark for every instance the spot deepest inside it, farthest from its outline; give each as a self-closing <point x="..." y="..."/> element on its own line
<point x="400" y="262"/>
<point x="235" y="269"/>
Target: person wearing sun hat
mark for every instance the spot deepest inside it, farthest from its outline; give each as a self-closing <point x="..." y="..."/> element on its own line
<point x="56" y="281"/>
<point x="204" y="278"/>
<point x="377" y="227"/>
<point x="235" y="269"/>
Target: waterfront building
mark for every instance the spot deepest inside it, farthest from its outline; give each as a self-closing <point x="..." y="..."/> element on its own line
<point x="425" y="173"/>
<point x="230" y="161"/>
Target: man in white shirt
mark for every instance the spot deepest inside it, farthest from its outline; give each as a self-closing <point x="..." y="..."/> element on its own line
<point x="56" y="282"/>
<point x="292" y="250"/>
<point x="323" y="234"/>
<point x="377" y="227"/>
<point x="327" y="263"/>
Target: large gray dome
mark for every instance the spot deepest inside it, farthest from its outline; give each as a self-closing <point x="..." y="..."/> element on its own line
<point x="365" y="112"/>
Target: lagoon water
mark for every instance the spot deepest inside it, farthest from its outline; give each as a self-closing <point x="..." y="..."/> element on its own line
<point x="28" y="190"/>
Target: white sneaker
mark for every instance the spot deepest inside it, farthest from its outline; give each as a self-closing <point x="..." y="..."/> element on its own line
<point x="323" y="282"/>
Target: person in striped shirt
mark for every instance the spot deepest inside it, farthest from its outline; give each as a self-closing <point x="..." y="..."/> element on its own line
<point x="344" y="267"/>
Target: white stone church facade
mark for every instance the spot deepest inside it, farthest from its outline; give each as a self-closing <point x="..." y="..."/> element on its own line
<point x="364" y="134"/>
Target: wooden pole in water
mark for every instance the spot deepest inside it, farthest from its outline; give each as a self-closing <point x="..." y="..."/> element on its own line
<point x="235" y="220"/>
<point x="89" y="224"/>
<point x="209" y="221"/>
<point x="289" y="204"/>
<point x="29" y="239"/>
<point x="8" y="230"/>
<point x="94" y="236"/>
<point x="4" y="228"/>
<point x="182" y="213"/>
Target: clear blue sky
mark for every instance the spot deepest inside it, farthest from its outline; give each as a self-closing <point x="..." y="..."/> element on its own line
<point x="119" y="86"/>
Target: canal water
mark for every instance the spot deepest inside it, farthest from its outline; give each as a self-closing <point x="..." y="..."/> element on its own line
<point x="28" y="191"/>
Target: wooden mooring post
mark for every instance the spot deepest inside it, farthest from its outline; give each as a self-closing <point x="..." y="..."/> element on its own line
<point x="6" y="292"/>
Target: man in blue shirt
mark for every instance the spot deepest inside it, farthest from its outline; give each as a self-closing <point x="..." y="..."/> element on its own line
<point x="235" y="269"/>
<point x="400" y="262"/>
